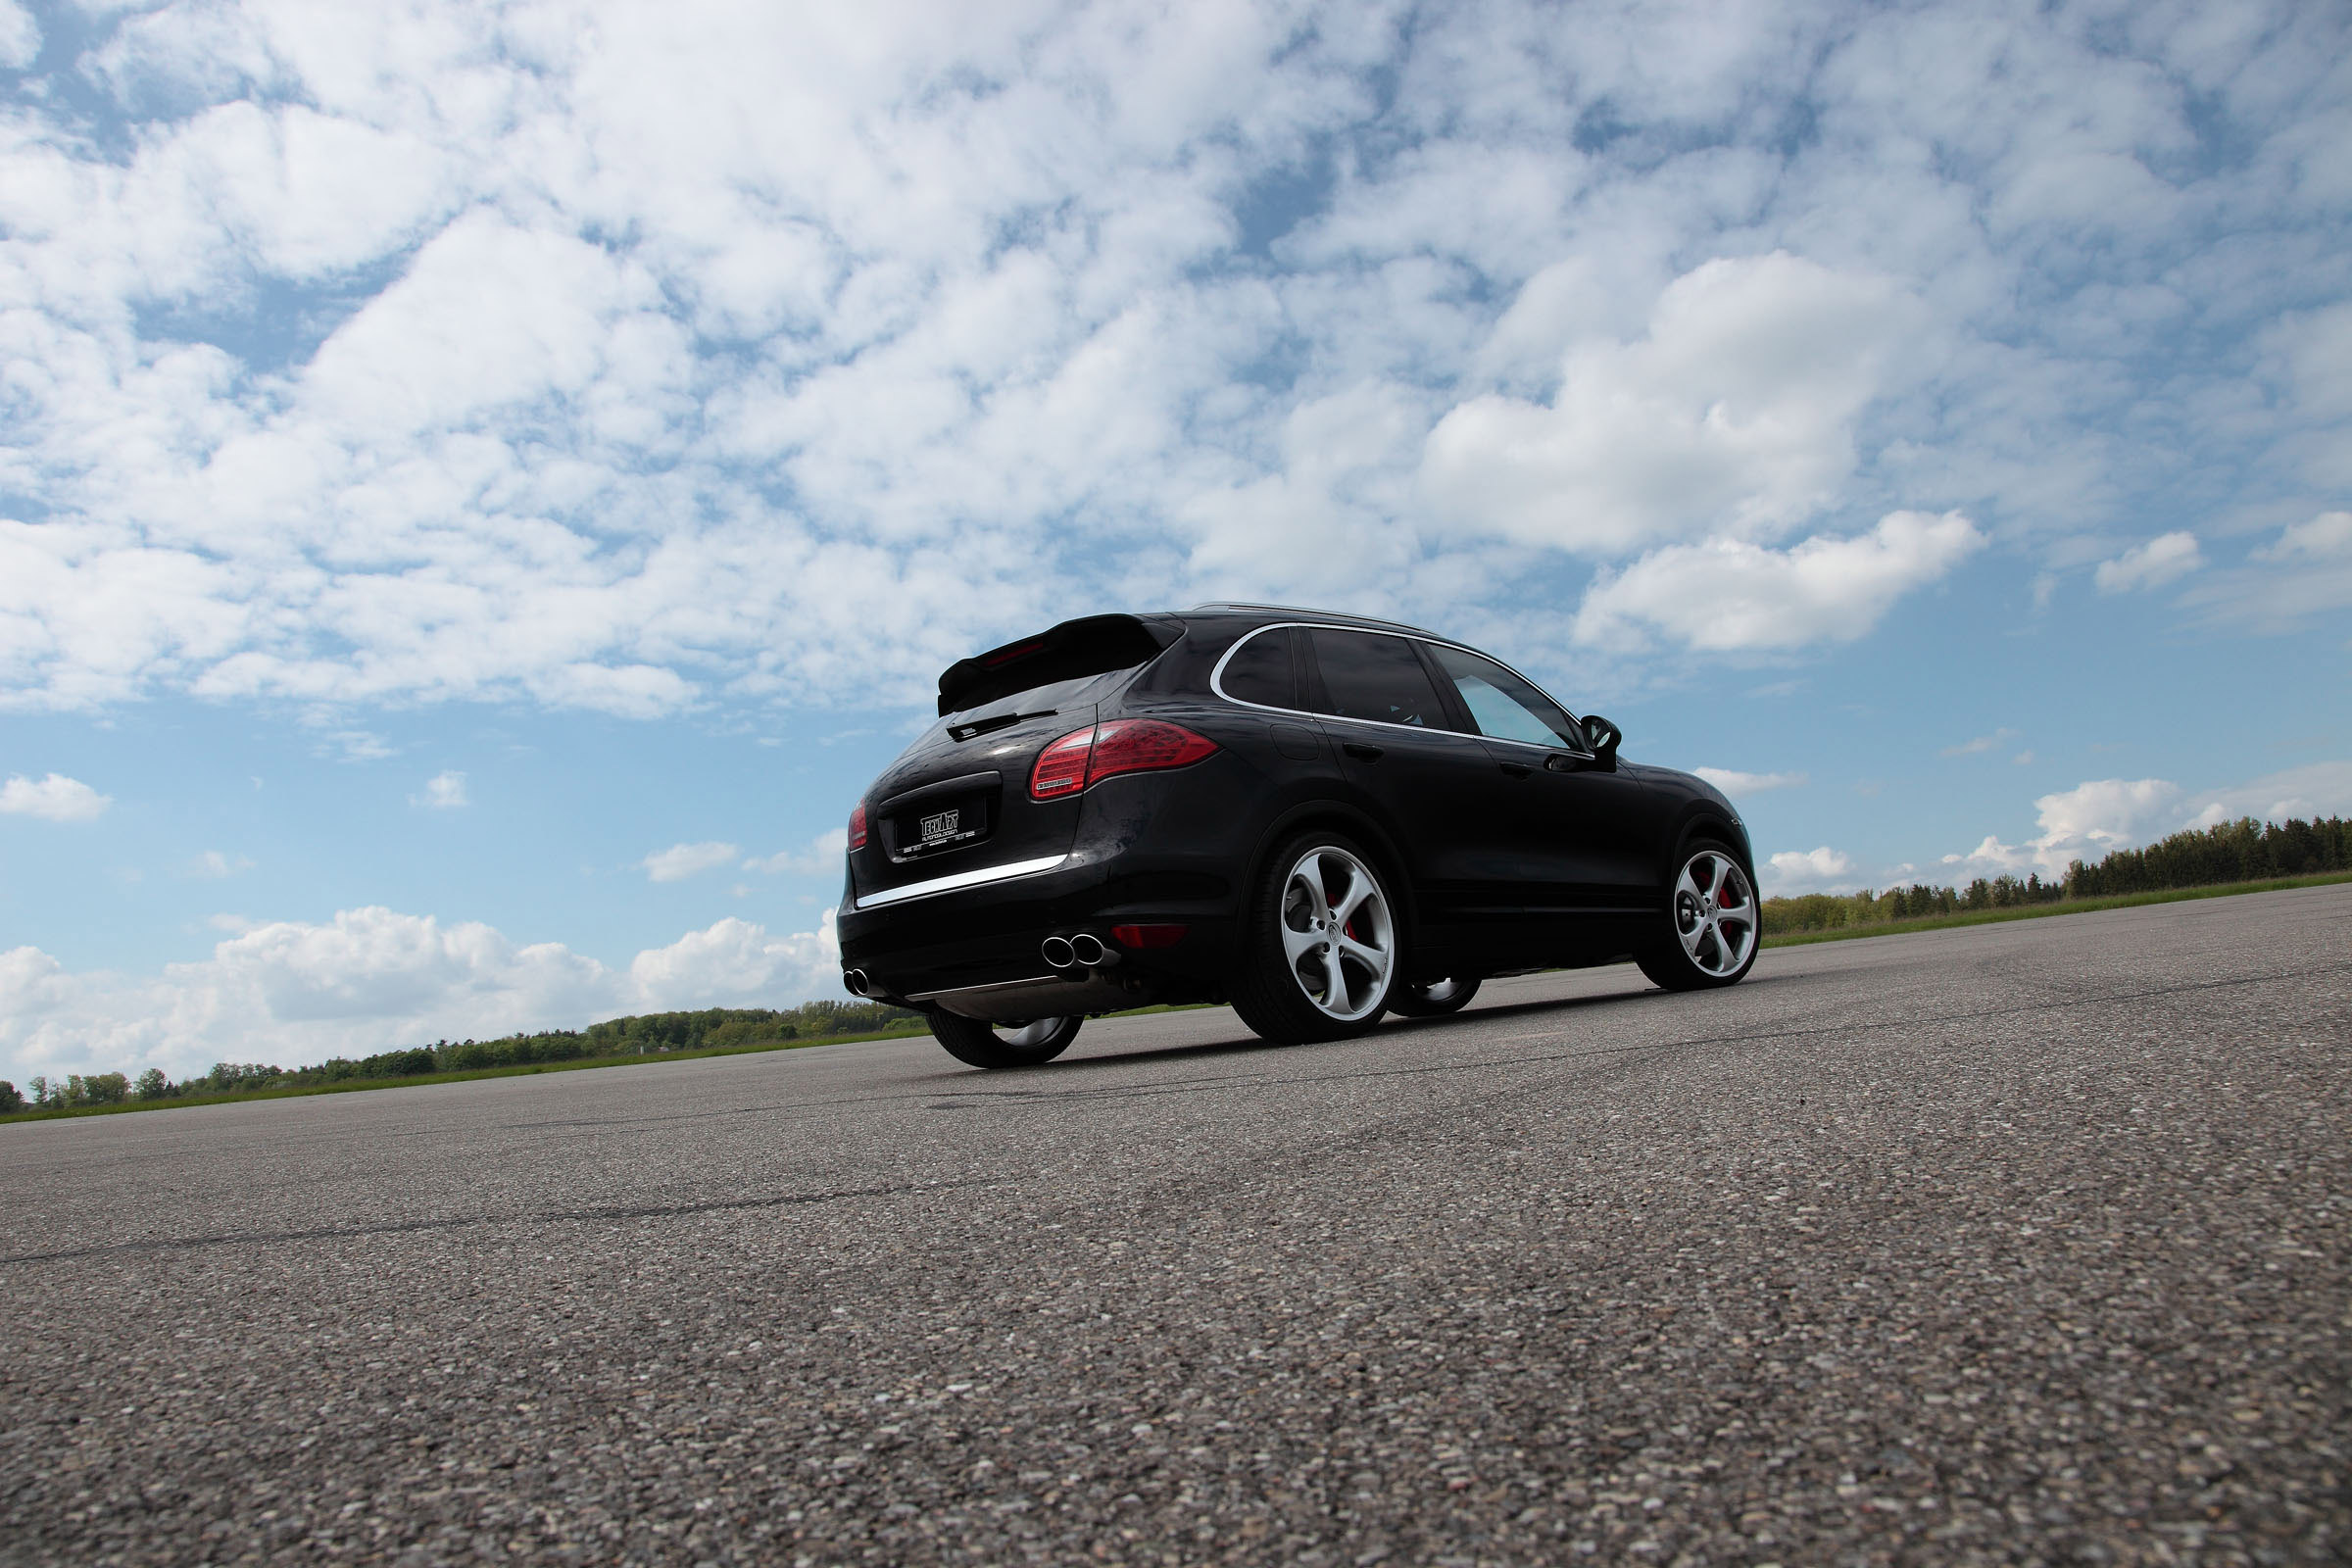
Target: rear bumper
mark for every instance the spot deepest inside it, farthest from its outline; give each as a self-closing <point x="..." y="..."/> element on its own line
<point x="1141" y="856"/>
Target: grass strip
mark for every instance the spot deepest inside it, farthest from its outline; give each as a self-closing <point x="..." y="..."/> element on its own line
<point x="2036" y="912"/>
<point x="345" y="1086"/>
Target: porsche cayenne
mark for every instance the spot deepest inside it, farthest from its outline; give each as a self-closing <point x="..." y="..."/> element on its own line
<point x="1315" y="817"/>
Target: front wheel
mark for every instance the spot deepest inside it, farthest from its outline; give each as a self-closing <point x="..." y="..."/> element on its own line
<point x="1321" y="944"/>
<point x="1435" y="999"/>
<point x="977" y="1043"/>
<point x="1713" y="925"/>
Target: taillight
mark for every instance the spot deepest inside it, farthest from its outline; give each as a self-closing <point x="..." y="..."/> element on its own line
<point x="1085" y="757"/>
<point x="1143" y="746"/>
<point x="1061" y="766"/>
<point x="857" y="826"/>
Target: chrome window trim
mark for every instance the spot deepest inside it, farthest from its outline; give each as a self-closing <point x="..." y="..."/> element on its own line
<point x="1216" y="685"/>
<point x="980" y="877"/>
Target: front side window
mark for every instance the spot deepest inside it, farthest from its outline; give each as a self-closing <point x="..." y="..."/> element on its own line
<point x="1260" y="672"/>
<point x="1504" y="705"/>
<point x="1367" y="675"/>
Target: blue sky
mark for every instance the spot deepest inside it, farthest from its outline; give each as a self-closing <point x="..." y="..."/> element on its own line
<point x="481" y="487"/>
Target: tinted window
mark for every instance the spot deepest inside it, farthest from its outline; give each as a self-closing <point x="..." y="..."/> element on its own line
<point x="1504" y="705"/>
<point x="1370" y="676"/>
<point x="1260" y="672"/>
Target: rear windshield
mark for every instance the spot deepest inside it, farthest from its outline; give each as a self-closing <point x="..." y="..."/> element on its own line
<point x="1075" y="650"/>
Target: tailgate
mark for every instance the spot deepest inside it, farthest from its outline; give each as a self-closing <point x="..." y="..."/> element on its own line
<point x="959" y="801"/>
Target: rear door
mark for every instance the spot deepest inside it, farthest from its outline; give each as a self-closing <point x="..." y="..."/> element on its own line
<point x="1379" y="703"/>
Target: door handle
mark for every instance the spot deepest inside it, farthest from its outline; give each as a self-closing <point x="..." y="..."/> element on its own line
<point x="1360" y="751"/>
<point x="1517" y="770"/>
<point x="1559" y="763"/>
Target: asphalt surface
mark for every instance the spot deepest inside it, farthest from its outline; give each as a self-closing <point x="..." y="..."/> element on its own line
<point x="2024" y="1243"/>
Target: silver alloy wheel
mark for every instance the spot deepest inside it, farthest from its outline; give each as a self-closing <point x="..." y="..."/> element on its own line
<point x="1338" y="933"/>
<point x="1021" y="1036"/>
<point x="1715" y="914"/>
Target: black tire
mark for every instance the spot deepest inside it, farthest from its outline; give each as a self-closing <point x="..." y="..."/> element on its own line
<point x="979" y="1044"/>
<point x="1433" y="1001"/>
<point x="1290" y="947"/>
<point x="1713" y="925"/>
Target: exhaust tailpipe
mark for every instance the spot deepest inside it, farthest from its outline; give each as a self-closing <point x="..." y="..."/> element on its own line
<point x="1059" y="951"/>
<point x="1092" y="951"/>
<point x="858" y="982"/>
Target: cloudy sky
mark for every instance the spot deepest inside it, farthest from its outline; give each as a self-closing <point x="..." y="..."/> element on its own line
<point x="483" y="486"/>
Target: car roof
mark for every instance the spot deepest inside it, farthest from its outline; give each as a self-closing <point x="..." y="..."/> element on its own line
<point x="1334" y="617"/>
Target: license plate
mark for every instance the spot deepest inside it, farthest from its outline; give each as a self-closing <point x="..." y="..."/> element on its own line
<point x="940" y="826"/>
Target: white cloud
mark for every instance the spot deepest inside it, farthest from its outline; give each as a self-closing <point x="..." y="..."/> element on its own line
<point x="444" y="791"/>
<point x="1817" y="870"/>
<point x="2317" y="789"/>
<point x="2306" y="571"/>
<point x="682" y="860"/>
<point x="736" y="963"/>
<point x="1727" y="594"/>
<point x="20" y="36"/>
<point x="1980" y="743"/>
<point x="710" y="355"/>
<point x="214" y="865"/>
<point x="1735" y="413"/>
<point x="2326" y="537"/>
<point x="2167" y="557"/>
<point x="55" y="799"/>
<point x="1733" y="782"/>
<point x="2100" y="816"/>
<point x="371" y="980"/>
<point x="822" y="857"/>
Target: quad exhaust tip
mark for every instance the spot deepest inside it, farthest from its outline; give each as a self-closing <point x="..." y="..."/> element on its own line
<point x="1084" y="950"/>
<point x="858" y="983"/>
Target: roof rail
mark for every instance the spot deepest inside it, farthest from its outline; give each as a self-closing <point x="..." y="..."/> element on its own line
<point x="1301" y="610"/>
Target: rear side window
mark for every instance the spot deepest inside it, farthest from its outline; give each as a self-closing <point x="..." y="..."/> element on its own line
<point x="1367" y="675"/>
<point x="1260" y="672"/>
<point x="1504" y="705"/>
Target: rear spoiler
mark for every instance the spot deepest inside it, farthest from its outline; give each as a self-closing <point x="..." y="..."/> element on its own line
<point x="1095" y="645"/>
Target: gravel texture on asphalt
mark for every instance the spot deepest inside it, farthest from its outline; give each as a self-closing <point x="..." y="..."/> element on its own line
<point x="2014" y="1244"/>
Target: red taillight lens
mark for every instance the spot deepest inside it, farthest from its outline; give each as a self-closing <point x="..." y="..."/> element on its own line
<point x="1143" y="746"/>
<point x="1139" y="937"/>
<point x="1061" y="766"/>
<point x="857" y="826"/>
<point x="1085" y="757"/>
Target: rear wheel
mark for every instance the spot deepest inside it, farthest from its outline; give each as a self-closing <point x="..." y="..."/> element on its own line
<point x="1321" y="946"/>
<point x="978" y="1043"/>
<point x="1713" y="927"/>
<point x="1434" y="1000"/>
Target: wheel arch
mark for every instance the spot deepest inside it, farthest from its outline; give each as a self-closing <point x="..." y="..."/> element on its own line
<point x="1704" y="819"/>
<point x="1358" y="825"/>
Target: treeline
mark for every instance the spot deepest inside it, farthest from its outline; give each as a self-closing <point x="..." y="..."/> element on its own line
<point x="2245" y="851"/>
<point x="646" y="1035"/>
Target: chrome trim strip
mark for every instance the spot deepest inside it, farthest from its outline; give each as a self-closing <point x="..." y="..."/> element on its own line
<point x="1216" y="684"/>
<point x="961" y="879"/>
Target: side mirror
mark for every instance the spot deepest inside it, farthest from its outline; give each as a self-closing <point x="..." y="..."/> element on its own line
<point x="1602" y="736"/>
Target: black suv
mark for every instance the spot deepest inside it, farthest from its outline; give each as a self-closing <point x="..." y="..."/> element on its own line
<point x="1315" y="817"/>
